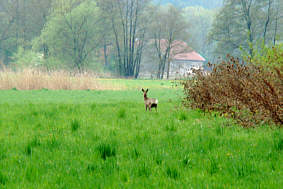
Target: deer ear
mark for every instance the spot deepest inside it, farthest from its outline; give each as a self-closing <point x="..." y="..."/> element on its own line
<point x="146" y="90"/>
<point x="142" y="90"/>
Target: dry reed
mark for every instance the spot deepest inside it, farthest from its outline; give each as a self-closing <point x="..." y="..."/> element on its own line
<point x="32" y="79"/>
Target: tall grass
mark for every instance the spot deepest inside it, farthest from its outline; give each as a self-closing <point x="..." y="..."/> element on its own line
<point x="33" y="79"/>
<point x="105" y="139"/>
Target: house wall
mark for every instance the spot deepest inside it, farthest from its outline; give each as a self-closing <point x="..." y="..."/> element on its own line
<point x="181" y="69"/>
<point x="178" y="69"/>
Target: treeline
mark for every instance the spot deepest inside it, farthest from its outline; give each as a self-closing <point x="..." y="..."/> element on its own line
<point x="113" y="35"/>
<point x="79" y="34"/>
<point x="246" y="26"/>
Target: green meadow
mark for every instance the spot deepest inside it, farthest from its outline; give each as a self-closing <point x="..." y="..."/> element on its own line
<point x="105" y="139"/>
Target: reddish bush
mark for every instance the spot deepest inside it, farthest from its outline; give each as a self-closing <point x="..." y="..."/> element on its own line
<point x="248" y="93"/>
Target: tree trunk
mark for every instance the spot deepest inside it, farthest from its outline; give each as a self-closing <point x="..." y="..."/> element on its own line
<point x="247" y="14"/>
<point x="137" y="63"/>
<point x="117" y="47"/>
<point x="276" y="25"/>
<point x="127" y="48"/>
<point x="105" y="55"/>
<point x="45" y="51"/>
<point x="266" y="22"/>
<point x="168" y="69"/>
<point x="159" y="71"/>
<point x="1" y="59"/>
<point x="163" y="68"/>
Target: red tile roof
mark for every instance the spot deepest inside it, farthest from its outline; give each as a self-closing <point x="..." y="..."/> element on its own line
<point x="181" y="51"/>
<point x="192" y="56"/>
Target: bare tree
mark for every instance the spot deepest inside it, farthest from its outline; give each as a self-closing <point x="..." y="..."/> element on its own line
<point x="127" y="17"/>
<point x="168" y="26"/>
<point x="267" y="20"/>
<point x="241" y="24"/>
<point x="278" y="6"/>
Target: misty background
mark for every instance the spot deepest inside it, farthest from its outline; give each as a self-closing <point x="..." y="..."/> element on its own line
<point x="112" y="36"/>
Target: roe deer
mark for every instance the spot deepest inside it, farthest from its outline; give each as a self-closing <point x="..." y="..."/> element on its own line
<point x="149" y="102"/>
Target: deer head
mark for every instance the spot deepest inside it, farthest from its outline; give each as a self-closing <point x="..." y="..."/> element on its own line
<point x="144" y="93"/>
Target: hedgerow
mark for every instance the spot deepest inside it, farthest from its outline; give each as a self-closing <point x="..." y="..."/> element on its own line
<point x="248" y="92"/>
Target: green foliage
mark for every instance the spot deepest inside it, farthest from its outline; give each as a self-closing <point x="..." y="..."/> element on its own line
<point x="239" y="25"/>
<point x="72" y="34"/>
<point x="20" y="22"/>
<point x="269" y="57"/>
<point x="200" y="23"/>
<point x="27" y="58"/>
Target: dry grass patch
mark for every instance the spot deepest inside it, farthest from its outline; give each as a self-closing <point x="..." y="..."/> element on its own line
<point x="32" y="79"/>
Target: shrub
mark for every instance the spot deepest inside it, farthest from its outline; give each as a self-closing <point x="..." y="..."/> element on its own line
<point x="27" y="58"/>
<point x="269" y="58"/>
<point x="249" y="93"/>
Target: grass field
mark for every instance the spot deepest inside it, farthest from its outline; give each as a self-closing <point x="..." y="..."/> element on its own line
<point x="105" y="139"/>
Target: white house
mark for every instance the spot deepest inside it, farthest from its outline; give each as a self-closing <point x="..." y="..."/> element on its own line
<point x="182" y="64"/>
<point x="183" y="61"/>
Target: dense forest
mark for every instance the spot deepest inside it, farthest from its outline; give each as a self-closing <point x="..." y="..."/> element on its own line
<point x="111" y="35"/>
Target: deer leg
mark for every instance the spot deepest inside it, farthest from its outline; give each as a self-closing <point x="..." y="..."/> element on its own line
<point x="145" y="107"/>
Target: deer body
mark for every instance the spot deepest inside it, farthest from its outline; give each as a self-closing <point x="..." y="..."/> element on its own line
<point x="149" y="102"/>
